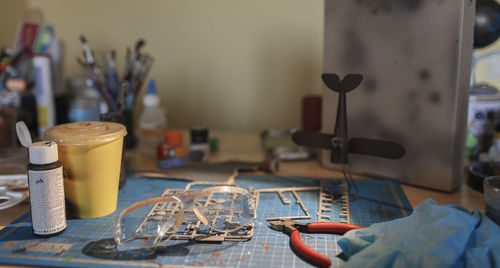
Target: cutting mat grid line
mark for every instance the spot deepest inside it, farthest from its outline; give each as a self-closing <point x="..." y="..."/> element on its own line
<point x="380" y="200"/>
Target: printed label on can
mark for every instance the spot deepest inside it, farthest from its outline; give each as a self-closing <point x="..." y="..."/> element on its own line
<point x="48" y="212"/>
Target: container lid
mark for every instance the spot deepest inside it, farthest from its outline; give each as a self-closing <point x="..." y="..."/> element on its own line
<point x="43" y="152"/>
<point x="85" y="133"/>
<point x="199" y="135"/>
<point x="173" y="137"/>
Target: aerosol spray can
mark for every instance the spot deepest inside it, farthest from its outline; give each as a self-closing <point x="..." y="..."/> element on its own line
<point x="46" y="187"/>
<point x="43" y="93"/>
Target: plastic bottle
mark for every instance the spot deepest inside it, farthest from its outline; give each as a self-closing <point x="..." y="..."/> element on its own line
<point x="152" y="123"/>
<point x="45" y="179"/>
<point x="45" y="183"/>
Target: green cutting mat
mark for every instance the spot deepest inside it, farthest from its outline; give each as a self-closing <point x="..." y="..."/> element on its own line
<point x="86" y="242"/>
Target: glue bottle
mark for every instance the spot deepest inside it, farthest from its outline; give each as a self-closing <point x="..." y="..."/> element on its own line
<point x="45" y="183"/>
<point x="152" y="123"/>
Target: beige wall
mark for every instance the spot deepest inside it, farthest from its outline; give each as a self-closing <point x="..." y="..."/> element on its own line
<point x="227" y="64"/>
<point x="11" y="12"/>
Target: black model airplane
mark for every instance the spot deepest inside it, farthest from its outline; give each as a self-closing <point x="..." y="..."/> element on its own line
<point x="339" y="143"/>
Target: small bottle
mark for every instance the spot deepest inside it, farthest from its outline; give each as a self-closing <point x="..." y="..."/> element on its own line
<point x="199" y="148"/>
<point x="152" y="123"/>
<point x="46" y="187"/>
<point x="172" y="146"/>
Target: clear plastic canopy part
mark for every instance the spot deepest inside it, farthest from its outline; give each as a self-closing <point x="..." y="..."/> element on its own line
<point x="223" y="209"/>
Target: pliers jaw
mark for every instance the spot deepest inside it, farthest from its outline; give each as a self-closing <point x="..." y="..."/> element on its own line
<point x="287" y="226"/>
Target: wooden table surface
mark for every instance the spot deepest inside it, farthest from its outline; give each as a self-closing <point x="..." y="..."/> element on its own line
<point x="246" y="146"/>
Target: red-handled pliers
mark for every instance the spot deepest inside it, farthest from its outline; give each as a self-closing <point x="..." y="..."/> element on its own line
<point x="294" y="229"/>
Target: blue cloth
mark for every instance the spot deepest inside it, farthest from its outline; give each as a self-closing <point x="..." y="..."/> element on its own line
<point x="432" y="236"/>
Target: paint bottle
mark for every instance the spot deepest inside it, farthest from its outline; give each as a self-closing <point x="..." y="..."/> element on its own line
<point x="172" y="147"/>
<point x="45" y="179"/>
<point x="152" y="123"/>
<point x="199" y="148"/>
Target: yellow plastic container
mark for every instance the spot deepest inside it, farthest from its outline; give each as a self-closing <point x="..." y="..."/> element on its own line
<point x="91" y="154"/>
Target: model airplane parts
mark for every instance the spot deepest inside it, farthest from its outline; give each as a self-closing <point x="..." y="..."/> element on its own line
<point x="339" y="143"/>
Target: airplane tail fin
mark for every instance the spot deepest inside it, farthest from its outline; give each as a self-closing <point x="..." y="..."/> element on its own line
<point x="350" y="82"/>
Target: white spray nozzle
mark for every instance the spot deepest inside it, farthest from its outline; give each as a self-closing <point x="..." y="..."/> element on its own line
<point x="23" y="134"/>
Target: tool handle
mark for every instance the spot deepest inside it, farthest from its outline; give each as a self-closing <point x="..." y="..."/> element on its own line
<point x="331" y="227"/>
<point x="306" y="252"/>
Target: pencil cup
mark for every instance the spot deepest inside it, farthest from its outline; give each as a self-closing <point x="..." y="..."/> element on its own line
<point x="91" y="154"/>
<point x="128" y="119"/>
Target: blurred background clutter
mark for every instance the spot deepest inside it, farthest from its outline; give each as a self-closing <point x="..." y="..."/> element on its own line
<point x="166" y="65"/>
<point x="227" y="65"/>
<point x="162" y="65"/>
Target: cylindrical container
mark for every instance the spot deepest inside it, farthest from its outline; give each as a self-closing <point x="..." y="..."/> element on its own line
<point x="199" y="143"/>
<point x="152" y="123"/>
<point x="199" y="135"/>
<point x="165" y="151"/>
<point x="45" y="179"/>
<point x="84" y="100"/>
<point x="117" y="118"/>
<point x="43" y="93"/>
<point x="311" y="113"/>
<point x="492" y="198"/>
<point x="173" y="137"/>
<point x="214" y="144"/>
<point x="91" y="154"/>
<point x="173" y="145"/>
<point x="84" y="110"/>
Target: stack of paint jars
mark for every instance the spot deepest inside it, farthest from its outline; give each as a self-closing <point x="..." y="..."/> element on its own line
<point x="172" y="152"/>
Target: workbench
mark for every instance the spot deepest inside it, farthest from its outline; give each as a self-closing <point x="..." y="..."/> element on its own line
<point x="246" y="146"/>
